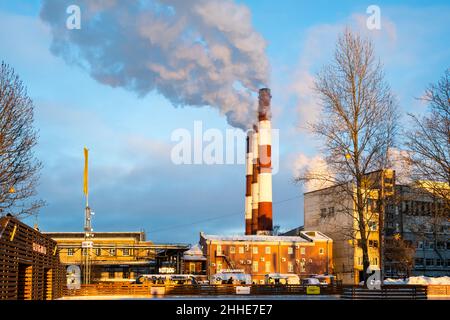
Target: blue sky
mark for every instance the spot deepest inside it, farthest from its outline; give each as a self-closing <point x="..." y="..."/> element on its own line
<point x="134" y="185"/>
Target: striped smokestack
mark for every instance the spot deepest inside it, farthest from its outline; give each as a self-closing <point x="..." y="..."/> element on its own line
<point x="255" y="185"/>
<point x="264" y="163"/>
<point x="248" y="184"/>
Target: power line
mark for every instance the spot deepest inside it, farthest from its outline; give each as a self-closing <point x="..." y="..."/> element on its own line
<point x="214" y="218"/>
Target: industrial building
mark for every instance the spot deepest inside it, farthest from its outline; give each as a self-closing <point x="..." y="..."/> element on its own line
<point x="259" y="252"/>
<point x="118" y="256"/>
<point x="259" y="255"/>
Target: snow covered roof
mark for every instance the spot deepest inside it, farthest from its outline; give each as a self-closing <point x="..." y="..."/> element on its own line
<point x="315" y="235"/>
<point x="254" y="238"/>
<point x="194" y="253"/>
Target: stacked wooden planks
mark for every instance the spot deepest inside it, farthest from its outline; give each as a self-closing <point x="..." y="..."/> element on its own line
<point x="30" y="268"/>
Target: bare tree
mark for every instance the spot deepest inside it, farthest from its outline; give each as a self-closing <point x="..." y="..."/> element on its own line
<point x="400" y="254"/>
<point x="19" y="168"/>
<point x="357" y="127"/>
<point x="428" y="144"/>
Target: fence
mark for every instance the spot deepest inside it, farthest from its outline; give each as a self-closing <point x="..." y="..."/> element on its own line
<point x="128" y="289"/>
<point x="439" y="290"/>
<point x="29" y="263"/>
<point x="403" y="292"/>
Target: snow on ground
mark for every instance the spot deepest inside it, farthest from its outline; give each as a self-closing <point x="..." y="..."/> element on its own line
<point x="420" y="280"/>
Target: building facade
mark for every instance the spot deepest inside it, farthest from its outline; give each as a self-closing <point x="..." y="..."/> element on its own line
<point x="413" y="238"/>
<point x="419" y="219"/>
<point x="258" y="255"/>
<point x="114" y="256"/>
<point x="332" y="211"/>
<point x="194" y="262"/>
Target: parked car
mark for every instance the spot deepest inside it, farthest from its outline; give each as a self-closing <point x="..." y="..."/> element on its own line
<point x="280" y="278"/>
<point x="231" y="278"/>
<point x="311" y="282"/>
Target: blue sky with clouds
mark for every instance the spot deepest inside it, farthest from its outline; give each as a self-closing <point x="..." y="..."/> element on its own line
<point x="134" y="185"/>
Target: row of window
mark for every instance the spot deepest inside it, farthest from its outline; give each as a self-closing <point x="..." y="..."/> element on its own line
<point x="267" y="250"/>
<point x="440" y="245"/>
<point x="422" y="208"/>
<point x="98" y="252"/>
<point x="432" y="262"/>
<point x="372" y="243"/>
<point x="327" y="212"/>
<point x="373" y="261"/>
<point x="268" y="266"/>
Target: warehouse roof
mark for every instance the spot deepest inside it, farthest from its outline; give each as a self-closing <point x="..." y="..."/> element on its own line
<point x="305" y="236"/>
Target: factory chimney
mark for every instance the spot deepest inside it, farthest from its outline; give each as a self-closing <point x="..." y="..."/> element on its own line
<point x="255" y="177"/>
<point x="248" y="184"/>
<point x="264" y="163"/>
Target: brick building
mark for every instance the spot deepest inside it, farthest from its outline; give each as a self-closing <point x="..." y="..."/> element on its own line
<point x="194" y="262"/>
<point x="258" y="255"/>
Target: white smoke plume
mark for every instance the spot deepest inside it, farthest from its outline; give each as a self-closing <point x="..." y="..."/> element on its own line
<point x="315" y="170"/>
<point x="196" y="53"/>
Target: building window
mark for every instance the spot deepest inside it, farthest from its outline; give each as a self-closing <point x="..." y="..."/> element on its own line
<point x="267" y="250"/>
<point x="70" y="252"/>
<point x="255" y="267"/>
<point x="255" y="250"/>
<point x="268" y="266"/>
<point x="303" y="250"/>
<point x="219" y="267"/>
<point x="232" y="250"/>
<point x="429" y="262"/>
<point x="290" y="250"/>
<point x="419" y="261"/>
<point x="372" y="225"/>
<point x="331" y="211"/>
<point x="360" y="262"/>
<point x="191" y="267"/>
<point x="219" y="249"/>
<point x="323" y="212"/>
<point x="290" y="267"/>
<point x="439" y="263"/>
<point x="126" y="274"/>
<point x="241" y="250"/>
<point x="321" y="251"/>
<point x="98" y="251"/>
<point x="111" y="274"/>
<point x="112" y="252"/>
<point x="420" y="245"/>
<point x="125" y="252"/>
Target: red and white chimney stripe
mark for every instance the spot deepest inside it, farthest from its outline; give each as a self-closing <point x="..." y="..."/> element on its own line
<point x="255" y="184"/>
<point x="265" y="224"/>
<point x="248" y="185"/>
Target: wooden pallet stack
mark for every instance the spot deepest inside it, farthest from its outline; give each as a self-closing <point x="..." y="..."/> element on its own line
<point x="30" y="268"/>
